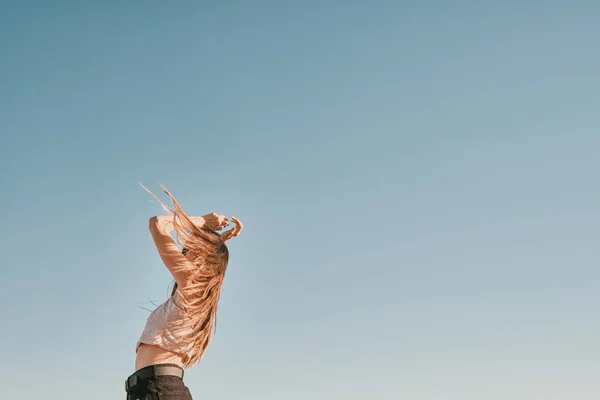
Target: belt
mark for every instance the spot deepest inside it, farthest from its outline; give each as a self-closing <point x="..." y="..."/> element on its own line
<point x="150" y="371"/>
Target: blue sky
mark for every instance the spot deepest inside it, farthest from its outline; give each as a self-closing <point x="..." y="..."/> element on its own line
<point x="418" y="184"/>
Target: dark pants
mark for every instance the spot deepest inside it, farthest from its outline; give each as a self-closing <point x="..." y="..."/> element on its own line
<point x="160" y="388"/>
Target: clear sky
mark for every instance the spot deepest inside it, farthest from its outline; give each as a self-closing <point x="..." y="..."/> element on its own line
<point x="418" y="183"/>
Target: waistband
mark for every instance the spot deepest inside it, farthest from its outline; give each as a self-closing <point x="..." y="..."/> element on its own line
<point x="153" y="370"/>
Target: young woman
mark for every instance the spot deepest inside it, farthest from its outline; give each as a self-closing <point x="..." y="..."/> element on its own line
<point x="179" y="330"/>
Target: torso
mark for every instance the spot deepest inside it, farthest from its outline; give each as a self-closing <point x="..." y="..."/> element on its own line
<point x="159" y="343"/>
<point x="151" y="354"/>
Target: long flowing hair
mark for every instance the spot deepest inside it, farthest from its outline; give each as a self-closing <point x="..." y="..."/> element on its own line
<point x="208" y="257"/>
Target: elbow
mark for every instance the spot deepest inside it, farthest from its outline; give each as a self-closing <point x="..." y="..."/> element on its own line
<point x="152" y="223"/>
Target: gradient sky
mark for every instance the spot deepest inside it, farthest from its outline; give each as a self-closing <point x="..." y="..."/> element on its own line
<point x="418" y="183"/>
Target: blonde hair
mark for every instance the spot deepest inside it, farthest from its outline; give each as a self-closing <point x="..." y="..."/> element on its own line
<point x="208" y="257"/>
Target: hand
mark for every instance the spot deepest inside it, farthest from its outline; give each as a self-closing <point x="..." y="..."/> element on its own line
<point x="235" y="231"/>
<point x="214" y="222"/>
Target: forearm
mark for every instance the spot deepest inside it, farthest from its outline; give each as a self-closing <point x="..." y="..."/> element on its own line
<point x="163" y="224"/>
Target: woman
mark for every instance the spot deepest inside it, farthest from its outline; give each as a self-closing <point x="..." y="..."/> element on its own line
<point x="178" y="331"/>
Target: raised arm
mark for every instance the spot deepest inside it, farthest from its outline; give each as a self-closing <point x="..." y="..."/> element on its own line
<point x="161" y="228"/>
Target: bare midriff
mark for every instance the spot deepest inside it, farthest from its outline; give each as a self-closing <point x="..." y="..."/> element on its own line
<point x="148" y="354"/>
